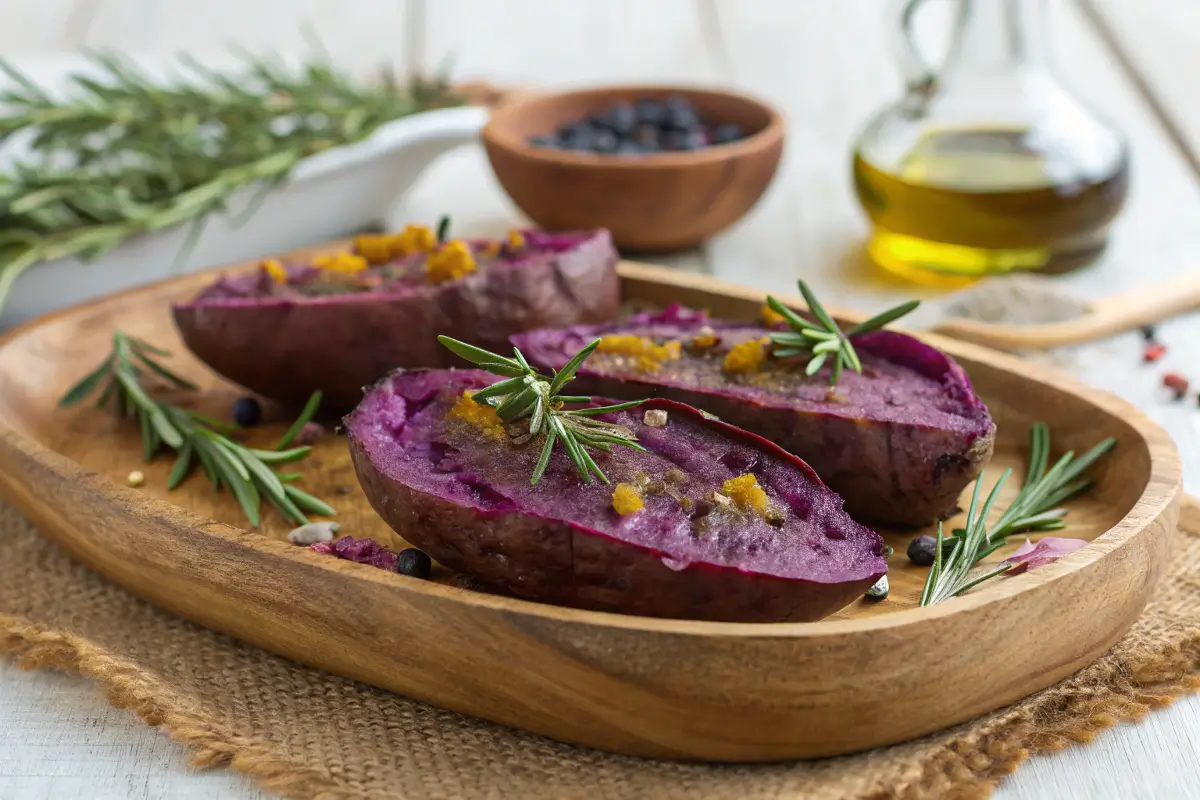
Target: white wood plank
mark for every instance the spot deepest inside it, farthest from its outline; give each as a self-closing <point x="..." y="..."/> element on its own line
<point x="558" y="42"/>
<point x="62" y="740"/>
<point x="36" y="25"/>
<point x="1157" y="39"/>
<point x="359" y="34"/>
<point x="829" y="67"/>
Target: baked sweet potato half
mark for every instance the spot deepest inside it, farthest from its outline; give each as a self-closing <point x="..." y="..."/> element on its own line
<point x="337" y="325"/>
<point x="898" y="442"/>
<point x="710" y="522"/>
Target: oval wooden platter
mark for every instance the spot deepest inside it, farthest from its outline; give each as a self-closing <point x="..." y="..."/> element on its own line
<point x="873" y="674"/>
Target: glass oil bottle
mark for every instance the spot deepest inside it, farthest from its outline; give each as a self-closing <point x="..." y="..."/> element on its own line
<point x="987" y="165"/>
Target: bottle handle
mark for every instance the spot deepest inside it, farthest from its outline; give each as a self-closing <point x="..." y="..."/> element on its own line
<point x="920" y="75"/>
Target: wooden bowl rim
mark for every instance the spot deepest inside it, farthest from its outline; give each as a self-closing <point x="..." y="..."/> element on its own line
<point x="1163" y="487"/>
<point x="496" y="134"/>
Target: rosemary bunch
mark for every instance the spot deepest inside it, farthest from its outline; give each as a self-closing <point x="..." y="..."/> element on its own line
<point x="526" y="393"/>
<point x="125" y="154"/>
<point x="249" y="473"/>
<point x="823" y="338"/>
<point x="1034" y="509"/>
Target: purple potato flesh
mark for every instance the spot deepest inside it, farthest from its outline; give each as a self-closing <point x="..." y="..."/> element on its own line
<point x="898" y="442"/>
<point x="285" y="341"/>
<point x="466" y="500"/>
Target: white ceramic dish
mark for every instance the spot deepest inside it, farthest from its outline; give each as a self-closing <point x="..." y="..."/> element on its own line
<point x="328" y="196"/>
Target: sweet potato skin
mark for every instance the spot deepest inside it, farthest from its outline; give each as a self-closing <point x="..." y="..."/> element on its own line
<point x="568" y="566"/>
<point x="554" y="561"/>
<point x="889" y="473"/>
<point x="284" y="348"/>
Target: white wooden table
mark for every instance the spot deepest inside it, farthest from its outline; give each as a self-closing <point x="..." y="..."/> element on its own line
<point x="828" y="66"/>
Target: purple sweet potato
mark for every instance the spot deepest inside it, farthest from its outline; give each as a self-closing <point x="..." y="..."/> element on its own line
<point x="696" y="549"/>
<point x="899" y="442"/>
<point x="286" y="340"/>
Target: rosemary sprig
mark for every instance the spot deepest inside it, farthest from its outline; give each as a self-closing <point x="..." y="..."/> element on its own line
<point x="1034" y="509"/>
<point x="249" y="473"/>
<point x="526" y="393"/>
<point x="124" y="154"/>
<point x="823" y="338"/>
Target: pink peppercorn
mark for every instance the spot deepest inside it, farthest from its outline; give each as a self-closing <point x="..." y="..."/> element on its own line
<point x="1153" y="352"/>
<point x="1176" y="383"/>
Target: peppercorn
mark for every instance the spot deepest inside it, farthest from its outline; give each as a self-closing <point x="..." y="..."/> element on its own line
<point x="1176" y="383"/>
<point x="922" y="550"/>
<point x="246" y="412"/>
<point x="1148" y="333"/>
<point x="1153" y="352"/>
<point x="135" y="478"/>
<point x="413" y="563"/>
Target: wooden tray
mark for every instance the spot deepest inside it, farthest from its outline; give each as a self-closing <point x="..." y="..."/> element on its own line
<point x="873" y="674"/>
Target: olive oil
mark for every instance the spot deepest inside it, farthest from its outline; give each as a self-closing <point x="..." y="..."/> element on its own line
<point x="962" y="203"/>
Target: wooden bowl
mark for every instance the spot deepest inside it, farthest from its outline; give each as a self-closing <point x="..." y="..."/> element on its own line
<point x="651" y="203"/>
<point x="872" y="674"/>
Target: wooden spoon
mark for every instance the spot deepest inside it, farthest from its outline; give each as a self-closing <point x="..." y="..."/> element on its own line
<point x="1097" y="319"/>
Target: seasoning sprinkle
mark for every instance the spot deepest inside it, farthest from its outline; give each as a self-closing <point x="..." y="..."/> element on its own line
<point x="274" y="268"/>
<point x="1153" y="352"/>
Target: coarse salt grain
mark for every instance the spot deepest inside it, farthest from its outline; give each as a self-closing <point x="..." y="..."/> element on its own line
<point x="655" y="418"/>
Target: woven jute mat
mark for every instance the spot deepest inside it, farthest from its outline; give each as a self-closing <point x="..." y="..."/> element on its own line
<point x="303" y="733"/>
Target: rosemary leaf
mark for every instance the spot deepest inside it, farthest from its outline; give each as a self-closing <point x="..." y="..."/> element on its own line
<point x="499" y="389"/>
<point x="530" y="394"/>
<point x="879" y="320"/>
<point x="474" y="354"/>
<point x="85" y="386"/>
<point x="306" y="415"/>
<point x="183" y="465"/>
<point x="1033" y="509"/>
<point x="544" y="457"/>
<point x="571" y="367"/>
<point x="249" y="473"/>
<point x="306" y="501"/>
<point x="280" y="456"/>
<point x="591" y="412"/>
<point x="823" y="340"/>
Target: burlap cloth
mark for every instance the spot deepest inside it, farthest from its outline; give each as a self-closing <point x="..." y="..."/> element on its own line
<point x="303" y="733"/>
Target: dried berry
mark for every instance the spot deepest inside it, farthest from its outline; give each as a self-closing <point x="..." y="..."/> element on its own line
<point x="413" y="563"/>
<point x="921" y="550"/>
<point x="646" y="126"/>
<point x="1176" y="383"/>
<point x="724" y="134"/>
<point x="1153" y="352"/>
<point x="246" y="412"/>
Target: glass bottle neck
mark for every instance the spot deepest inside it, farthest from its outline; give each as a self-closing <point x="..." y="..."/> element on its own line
<point x="999" y="35"/>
